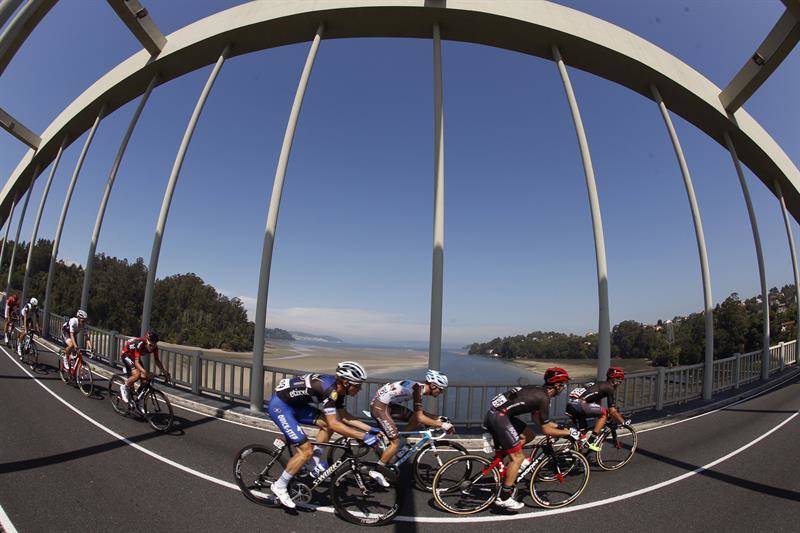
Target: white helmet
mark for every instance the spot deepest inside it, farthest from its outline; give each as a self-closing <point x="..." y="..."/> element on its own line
<point x="81" y="314"/>
<point x="34" y="302"/>
<point x="437" y="378"/>
<point x="351" y="371"/>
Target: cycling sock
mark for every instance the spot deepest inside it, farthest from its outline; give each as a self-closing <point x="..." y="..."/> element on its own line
<point x="381" y="463"/>
<point x="505" y="492"/>
<point x="283" y="481"/>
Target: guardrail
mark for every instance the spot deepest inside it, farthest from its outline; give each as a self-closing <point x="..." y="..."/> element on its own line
<point x="229" y="379"/>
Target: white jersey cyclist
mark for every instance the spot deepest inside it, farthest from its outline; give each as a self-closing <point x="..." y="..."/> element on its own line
<point x="73" y="326"/>
<point x="399" y="392"/>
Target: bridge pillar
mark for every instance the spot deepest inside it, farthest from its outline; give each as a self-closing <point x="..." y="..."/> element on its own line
<point x="257" y="372"/>
<point x="793" y="253"/>
<point x="60" y="228"/>
<point x="87" y="273"/>
<point x="8" y="228"/>
<point x="19" y="226"/>
<point x="604" y="322"/>
<point x="708" y="368"/>
<point x="765" y="342"/>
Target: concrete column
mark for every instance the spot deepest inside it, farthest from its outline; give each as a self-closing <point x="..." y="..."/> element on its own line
<point x="87" y="273"/>
<point x="60" y="228"/>
<point x="437" y="277"/>
<point x="8" y="228"/>
<point x="19" y="225"/>
<point x="257" y="374"/>
<point x="793" y="252"/>
<point x="42" y="202"/>
<point x="759" y="256"/>
<point x="708" y="368"/>
<point x="604" y="324"/>
<point x="173" y="180"/>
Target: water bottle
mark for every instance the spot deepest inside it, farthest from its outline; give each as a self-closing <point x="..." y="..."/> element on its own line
<point x="488" y="446"/>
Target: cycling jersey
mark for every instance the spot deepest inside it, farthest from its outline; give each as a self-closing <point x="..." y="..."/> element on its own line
<point x="521" y="400"/>
<point x="28" y="313"/>
<point x="72" y="326"/>
<point x="135" y="348"/>
<point x="11" y="306"/>
<point x="598" y="391"/>
<point x="290" y="404"/>
<point x="401" y="392"/>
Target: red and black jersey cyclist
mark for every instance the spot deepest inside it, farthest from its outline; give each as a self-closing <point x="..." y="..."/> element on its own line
<point x="131" y="357"/>
<point x="510" y="433"/>
<point x="584" y="402"/>
<point x="292" y="404"/>
<point x="12" y="308"/>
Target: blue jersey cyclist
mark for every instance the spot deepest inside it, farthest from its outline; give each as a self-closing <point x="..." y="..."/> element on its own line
<point x="292" y="404"/>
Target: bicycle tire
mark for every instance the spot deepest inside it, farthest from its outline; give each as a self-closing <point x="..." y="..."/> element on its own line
<point x="577" y="469"/>
<point x="33" y="362"/>
<point x="158" y="410"/>
<point x="387" y="500"/>
<point x="435" y="450"/>
<point x="609" y="443"/>
<point x="114" y="396"/>
<point x="63" y="373"/>
<point x="83" y="375"/>
<point x="443" y="485"/>
<point x="247" y="463"/>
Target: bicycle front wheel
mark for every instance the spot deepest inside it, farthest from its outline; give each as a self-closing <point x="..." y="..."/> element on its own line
<point x="559" y="479"/>
<point x="85" y="381"/>
<point x="617" y="448"/>
<point x="430" y="458"/>
<point x="255" y="469"/>
<point x="158" y="410"/>
<point x="466" y="485"/>
<point x="32" y="357"/>
<point x="362" y="500"/>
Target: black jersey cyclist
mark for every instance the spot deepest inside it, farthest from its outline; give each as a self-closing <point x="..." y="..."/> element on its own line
<point x="292" y="404"/>
<point x="584" y="402"/>
<point x="510" y="433"/>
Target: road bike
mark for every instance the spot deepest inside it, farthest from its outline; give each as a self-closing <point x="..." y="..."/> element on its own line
<point x="146" y="402"/>
<point x="78" y="373"/>
<point x="11" y="333"/>
<point x="357" y="497"/>
<point x="30" y="355"/>
<point x="556" y="476"/>
<point x="617" y="442"/>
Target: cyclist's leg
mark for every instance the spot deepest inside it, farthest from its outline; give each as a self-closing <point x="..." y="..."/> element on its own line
<point x="590" y="410"/>
<point x="69" y="351"/>
<point x="382" y="415"/>
<point x="402" y="413"/>
<point x="284" y="417"/>
<point x="22" y="332"/>
<point x="505" y="430"/>
<point x="127" y="386"/>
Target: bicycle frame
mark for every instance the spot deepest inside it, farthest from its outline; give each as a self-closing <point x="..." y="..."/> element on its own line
<point x="425" y="437"/>
<point x="349" y="459"/>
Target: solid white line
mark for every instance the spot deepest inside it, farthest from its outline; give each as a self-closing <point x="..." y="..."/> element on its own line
<point x="431" y="519"/>
<point x="5" y="522"/>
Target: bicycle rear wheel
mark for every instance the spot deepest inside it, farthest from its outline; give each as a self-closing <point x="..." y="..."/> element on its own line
<point x="617" y="448"/>
<point x="255" y="469"/>
<point x="430" y="458"/>
<point x="83" y="375"/>
<point x="559" y="479"/>
<point x="466" y="485"/>
<point x="119" y="405"/>
<point x="360" y="499"/>
<point x="158" y="410"/>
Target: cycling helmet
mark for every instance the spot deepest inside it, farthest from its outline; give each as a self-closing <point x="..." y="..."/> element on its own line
<point x="351" y="371"/>
<point x="555" y="375"/>
<point x="81" y="314"/>
<point x="615" y="372"/>
<point x="436" y="378"/>
<point x="151" y="336"/>
<point x="34" y="302"/>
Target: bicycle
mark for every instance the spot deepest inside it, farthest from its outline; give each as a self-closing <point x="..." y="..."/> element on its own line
<point x="30" y="355"/>
<point x="78" y="373"/>
<point x="618" y="443"/>
<point x="11" y="333"/>
<point x="356" y="496"/>
<point x="471" y="483"/>
<point x="147" y="402"/>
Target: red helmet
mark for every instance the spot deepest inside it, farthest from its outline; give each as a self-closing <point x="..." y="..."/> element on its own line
<point x="615" y="372"/>
<point x="555" y="375"/>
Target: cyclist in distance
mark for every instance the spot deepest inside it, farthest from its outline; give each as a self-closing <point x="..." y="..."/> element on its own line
<point x="584" y="402"/>
<point x="131" y="357"/>
<point x="386" y="408"/>
<point x="12" y="307"/>
<point x="510" y="433"/>
<point x="70" y="331"/>
<point x="30" y="321"/>
<point x="292" y="404"/>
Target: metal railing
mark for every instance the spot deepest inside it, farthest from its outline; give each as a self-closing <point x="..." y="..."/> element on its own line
<point x="229" y="379"/>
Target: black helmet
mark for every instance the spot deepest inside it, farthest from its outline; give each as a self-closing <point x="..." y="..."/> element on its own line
<point x="151" y="336"/>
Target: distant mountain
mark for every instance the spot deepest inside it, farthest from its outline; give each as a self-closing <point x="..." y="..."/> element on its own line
<point x="301" y="336"/>
<point x="278" y="334"/>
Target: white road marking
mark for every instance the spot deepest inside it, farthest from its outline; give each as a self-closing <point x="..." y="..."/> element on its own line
<point x="5" y="522"/>
<point x="426" y="519"/>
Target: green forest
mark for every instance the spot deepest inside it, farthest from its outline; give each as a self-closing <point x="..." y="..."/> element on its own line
<point x="738" y="327"/>
<point x="186" y="310"/>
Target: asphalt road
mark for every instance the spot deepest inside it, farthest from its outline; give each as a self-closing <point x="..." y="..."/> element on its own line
<point x="70" y="463"/>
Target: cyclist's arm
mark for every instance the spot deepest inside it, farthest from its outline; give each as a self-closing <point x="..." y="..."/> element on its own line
<point x="160" y="364"/>
<point x="138" y="364"/>
<point x="549" y="427"/>
<point x="340" y="427"/>
<point x="350" y="420"/>
<point x="616" y="415"/>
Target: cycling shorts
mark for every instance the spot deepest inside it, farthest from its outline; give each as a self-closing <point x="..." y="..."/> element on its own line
<point x="580" y="410"/>
<point x="505" y="429"/>
<point x="129" y="364"/>
<point x="289" y="418"/>
<point x="386" y="415"/>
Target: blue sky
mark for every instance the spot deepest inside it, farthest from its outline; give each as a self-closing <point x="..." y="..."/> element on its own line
<point x="353" y="248"/>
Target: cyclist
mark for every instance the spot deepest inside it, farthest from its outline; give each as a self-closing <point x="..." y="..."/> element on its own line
<point x="132" y="353"/>
<point x="70" y="331"/>
<point x="387" y="407"/>
<point x="12" y="307"/>
<point x="291" y="405"/>
<point x="584" y="402"/>
<point x="510" y="433"/>
<point x="30" y="321"/>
